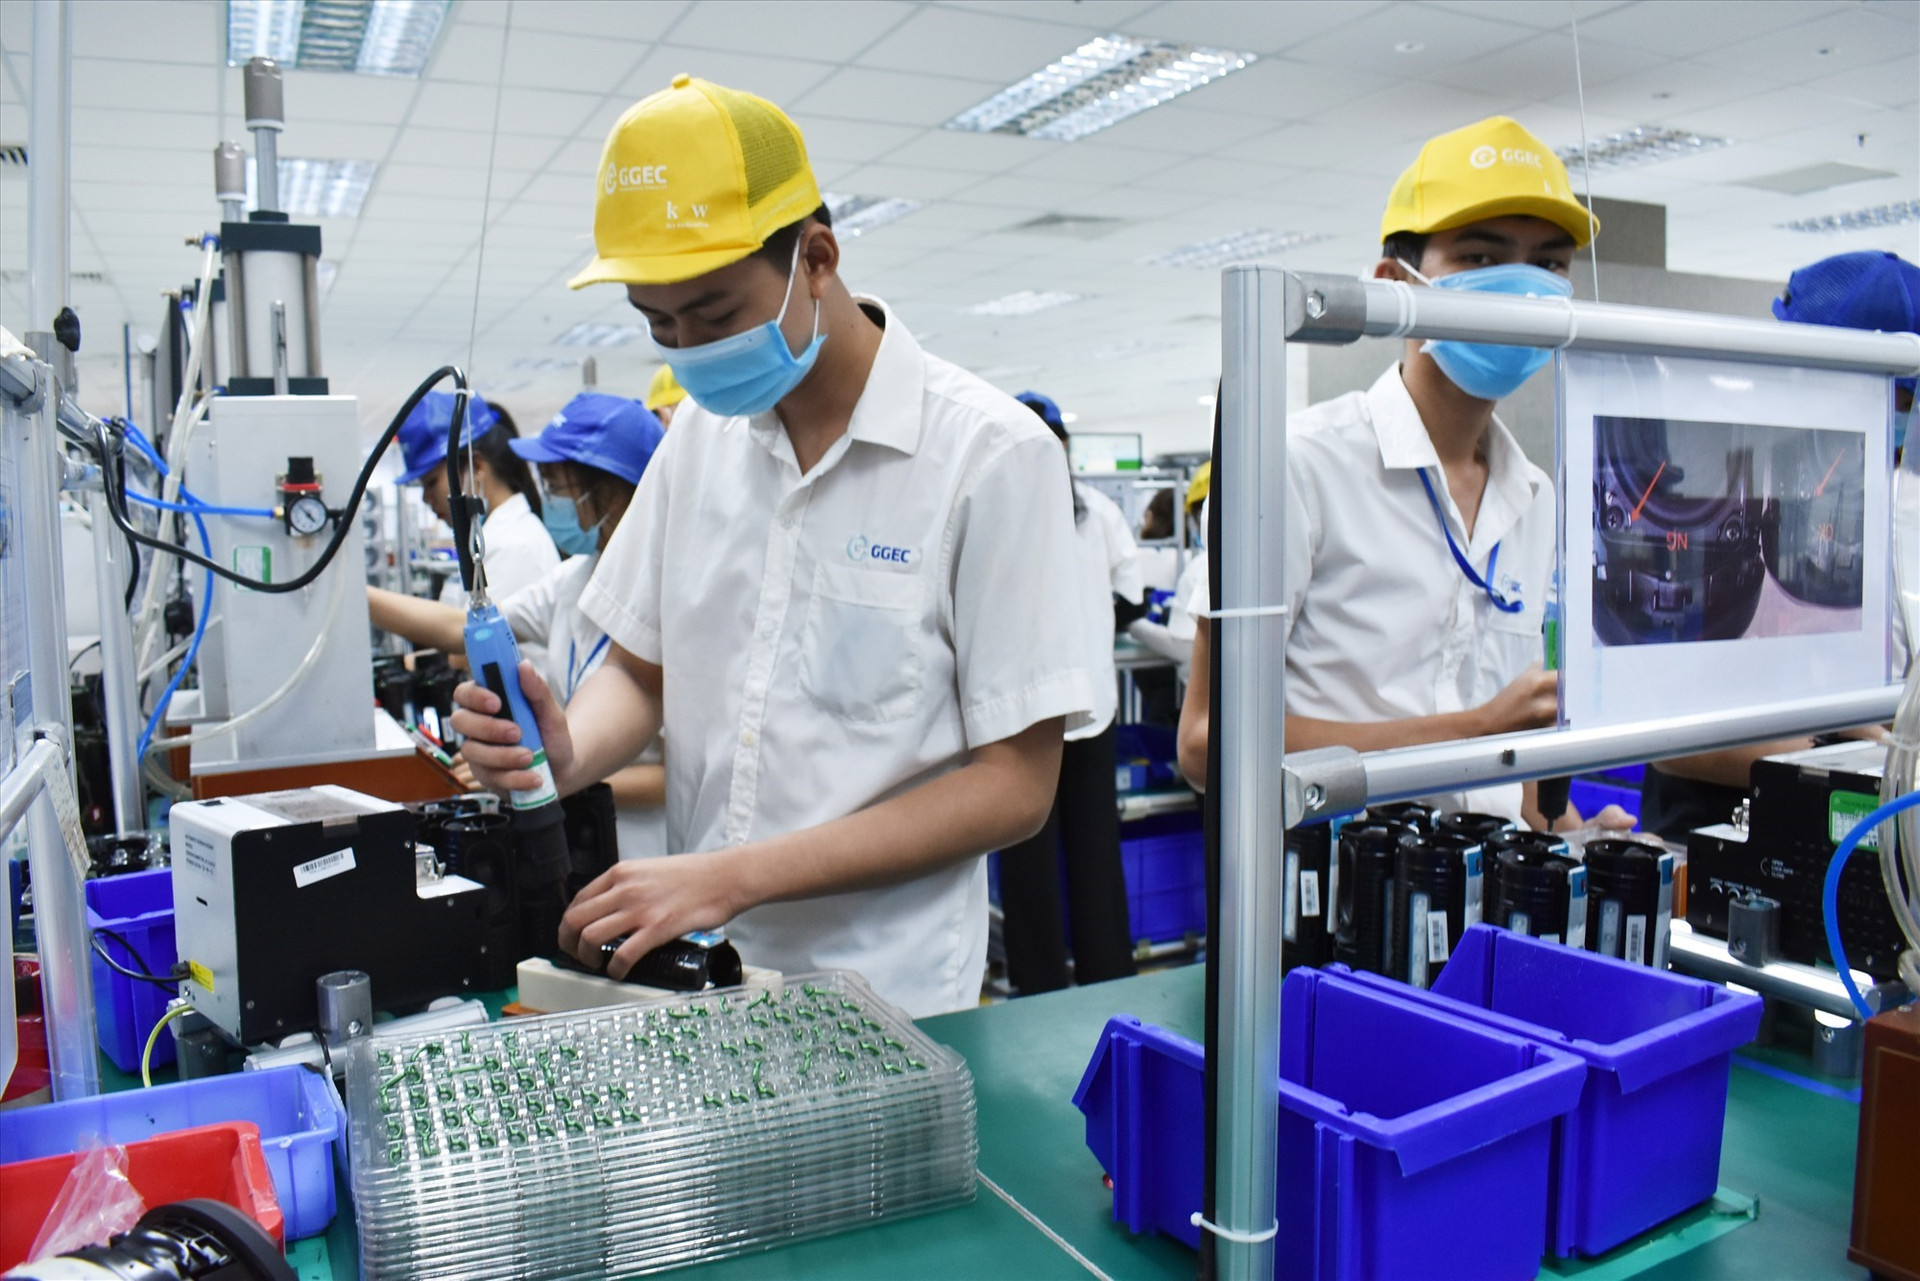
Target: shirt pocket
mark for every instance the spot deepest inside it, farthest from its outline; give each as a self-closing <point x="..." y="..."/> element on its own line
<point x="860" y="648"/>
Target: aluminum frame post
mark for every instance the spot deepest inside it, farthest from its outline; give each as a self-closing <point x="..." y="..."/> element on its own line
<point x="1250" y="477"/>
<point x="119" y="683"/>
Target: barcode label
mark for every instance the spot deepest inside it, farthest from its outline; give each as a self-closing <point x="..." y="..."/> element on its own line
<point x="1290" y="914"/>
<point x="1437" y="950"/>
<point x="1309" y="893"/>
<point x="1636" y="940"/>
<point x="321" y="868"/>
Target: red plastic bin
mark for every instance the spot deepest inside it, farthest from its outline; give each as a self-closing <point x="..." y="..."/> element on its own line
<point x="220" y="1162"/>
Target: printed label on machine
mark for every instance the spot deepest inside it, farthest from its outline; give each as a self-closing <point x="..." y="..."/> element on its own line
<point x="319" y="869"/>
<point x="200" y="974"/>
<point x="253" y="562"/>
<point x="1437" y="949"/>
<point x="1290" y="912"/>
<point x="1844" y="809"/>
<point x="196" y="854"/>
<point x="1309" y="893"/>
<point x="1636" y="939"/>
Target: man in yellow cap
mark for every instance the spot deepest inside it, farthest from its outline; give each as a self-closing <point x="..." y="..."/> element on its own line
<point x="1420" y="545"/>
<point x="664" y="395"/>
<point x="838" y="583"/>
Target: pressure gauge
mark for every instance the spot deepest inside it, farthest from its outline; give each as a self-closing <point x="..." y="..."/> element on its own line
<point x="307" y="515"/>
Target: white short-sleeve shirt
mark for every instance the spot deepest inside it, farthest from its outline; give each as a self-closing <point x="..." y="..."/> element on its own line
<point x="520" y="552"/>
<point x="1383" y="624"/>
<point x="1107" y="564"/>
<point x="832" y="640"/>
<point x="547" y="613"/>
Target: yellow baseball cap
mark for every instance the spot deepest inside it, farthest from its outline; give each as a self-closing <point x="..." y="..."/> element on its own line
<point x="1490" y="169"/>
<point x="694" y="178"/>
<point x="665" y="389"/>
<point x="1201" y="484"/>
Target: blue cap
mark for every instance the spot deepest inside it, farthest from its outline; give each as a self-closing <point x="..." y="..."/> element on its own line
<point x="1870" y="289"/>
<point x="423" y="437"/>
<point x="1045" y="407"/>
<point x="612" y="433"/>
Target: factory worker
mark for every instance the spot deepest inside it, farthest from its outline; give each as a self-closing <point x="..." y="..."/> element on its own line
<point x="1420" y="540"/>
<point x="1870" y="289"/>
<point x="839" y="586"/>
<point x="1083" y="829"/>
<point x="591" y="456"/>
<point x="664" y="395"/>
<point x="519" y="551"/>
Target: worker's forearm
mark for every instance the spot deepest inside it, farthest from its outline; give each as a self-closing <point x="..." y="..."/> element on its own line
<point x="639" y="787"/>
<point x="1731" y="767"/>
<point x="1304" y="732"/>
<point x="612" y="718"/>
<point x="426" y="623"/>
<point x="995" y="800"/>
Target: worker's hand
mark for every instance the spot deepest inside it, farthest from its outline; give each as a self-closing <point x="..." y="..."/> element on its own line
<point x="493" y="748"/>
<point x="652" y="901"/>
<point x="1532" y="701"/>
<point x="1611" y="819"/>
<point x="463" y="773"/>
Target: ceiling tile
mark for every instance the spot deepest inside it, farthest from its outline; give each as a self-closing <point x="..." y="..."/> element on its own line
<point x="1445" y="38"/>
<point x="1833" y="43"/>
<point x="609" y="19"/>
<point x="1684" y="28"/>
<point x="1544" y="66"/>
<point x="1253" y="28"/>
<point x="1549" y="14"/>
<point x="330" y="95"/>
<point x="970" y="152"/>
<point x="791" y="28"/>
<point x="778" y="80"/>
<point x="169" y="87"/>
<point x="913" y="184"/>
<point x="1102" y="165"/>
<point x="1286" y="89"/>
<point x="543" y="60"/>
<point x="989" y="46"/>
<point x="190" y="31"/>
<point x="860" y="141"/>
<point x="892" y="97"/>
<point x="1188" y="130"/>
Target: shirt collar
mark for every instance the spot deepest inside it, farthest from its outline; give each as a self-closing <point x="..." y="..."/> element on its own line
<point x="889" y="409"/>
<point x="1405" y="445"/>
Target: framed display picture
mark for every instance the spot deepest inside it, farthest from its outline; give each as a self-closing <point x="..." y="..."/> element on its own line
<point x="1725" y="529"/>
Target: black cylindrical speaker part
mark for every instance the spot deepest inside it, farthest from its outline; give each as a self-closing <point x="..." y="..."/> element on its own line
<point x="1363" y="896"/>
<point x="1412" y="814"/>
<point x="1472" y="826"/>
<point x="1436" y="895"/>
<point x="1305" y="931"/>
<point x="1529" y="885"/>
<point x="1623" y="900"/>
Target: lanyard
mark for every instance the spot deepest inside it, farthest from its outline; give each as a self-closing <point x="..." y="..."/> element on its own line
<point x="575" y="673"/>
<point x="1500" y="602"/>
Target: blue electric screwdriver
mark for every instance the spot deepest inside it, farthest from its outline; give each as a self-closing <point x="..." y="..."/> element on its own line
<point x="540" y="875"/>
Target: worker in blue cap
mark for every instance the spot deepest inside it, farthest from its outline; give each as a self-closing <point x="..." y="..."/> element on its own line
<point x="591" y="457"/>
<point x="1869" y="289"/>
<point x="518" y="549"/>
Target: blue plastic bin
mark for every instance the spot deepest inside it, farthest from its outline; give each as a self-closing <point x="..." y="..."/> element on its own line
<point x="1590" y="796"/>
<point x="298" y="1112"/>
<point x="1412" y="1142"/>
<point x="1644" y="1144"/>
<point x="1164" y="859"/>
<point x="139" y="907"/>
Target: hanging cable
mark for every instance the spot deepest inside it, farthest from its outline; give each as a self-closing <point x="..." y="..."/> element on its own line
<point x="1586" y="161"/>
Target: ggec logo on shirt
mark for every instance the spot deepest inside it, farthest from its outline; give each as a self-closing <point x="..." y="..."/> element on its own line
<point x="863" y="551"/>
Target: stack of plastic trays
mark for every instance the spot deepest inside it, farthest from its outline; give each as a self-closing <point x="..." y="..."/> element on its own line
<point x="626" y="1141"/>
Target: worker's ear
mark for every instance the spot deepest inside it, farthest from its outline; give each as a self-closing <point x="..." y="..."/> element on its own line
<point x="819" y="257"/>
<point x="1390" y="269"/>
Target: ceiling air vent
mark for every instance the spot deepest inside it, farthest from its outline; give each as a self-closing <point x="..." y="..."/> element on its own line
<point x="1070" y="226"/>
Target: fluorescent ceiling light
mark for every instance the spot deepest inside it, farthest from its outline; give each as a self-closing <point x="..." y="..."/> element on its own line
<point x="1023" y="303"/>
<point x="589" y="335"/>
<point x="1240" y="246"/>
<point x="1099" y="84"/>
<point x="372" y="37"/>
<point x="1640" y="145"/>
<point x="1893" y="215"/>
<point x="857" y="215"/>
<point x="319" y="188"/>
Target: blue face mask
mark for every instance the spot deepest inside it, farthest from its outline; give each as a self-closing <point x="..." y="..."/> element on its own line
<point x="747" y="373"/>
<point x="562" y="518"/>
<point x="1493" y="371"/>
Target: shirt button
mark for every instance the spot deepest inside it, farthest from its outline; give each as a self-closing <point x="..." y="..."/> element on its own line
<point x="746" y="738"/>
<point x="786" y="522"/>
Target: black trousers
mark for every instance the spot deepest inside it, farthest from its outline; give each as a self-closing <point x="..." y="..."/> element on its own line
<point x="1084" y="829"/>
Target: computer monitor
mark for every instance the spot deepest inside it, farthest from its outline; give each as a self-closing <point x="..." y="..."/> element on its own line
<point x="1097" y="451"/>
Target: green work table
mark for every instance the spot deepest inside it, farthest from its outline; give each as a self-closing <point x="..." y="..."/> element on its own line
<point x="1043" y="1211"/>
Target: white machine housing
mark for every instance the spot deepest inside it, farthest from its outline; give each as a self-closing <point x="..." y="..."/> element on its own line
<point x="256" y="639"/>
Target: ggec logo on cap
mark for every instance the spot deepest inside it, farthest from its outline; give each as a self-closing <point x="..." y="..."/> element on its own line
<point x="633" y="177"/>
<point x="1486" y="155"/>
<point x="1483" y="156"/>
